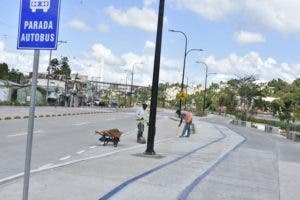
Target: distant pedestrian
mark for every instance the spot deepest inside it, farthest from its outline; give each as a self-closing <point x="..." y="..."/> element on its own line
<point x="187" y="117"/>
<point x="142" y="120"/>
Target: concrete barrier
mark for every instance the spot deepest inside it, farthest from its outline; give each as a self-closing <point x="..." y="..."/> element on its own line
<point x="243" y="123"/>
<point x="235" y="122"/>
<point x="295" y="136"/>
<point x="268" y="129"/>
<point x="263" y="127"/>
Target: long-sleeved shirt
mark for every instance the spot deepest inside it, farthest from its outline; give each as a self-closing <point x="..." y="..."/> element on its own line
<point x="142" y="115"/>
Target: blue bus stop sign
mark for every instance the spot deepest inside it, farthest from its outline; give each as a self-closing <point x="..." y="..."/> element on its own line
<point x="38" y="24"/>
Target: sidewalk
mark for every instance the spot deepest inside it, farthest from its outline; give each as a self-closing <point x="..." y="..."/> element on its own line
<point x="125" y="173"/>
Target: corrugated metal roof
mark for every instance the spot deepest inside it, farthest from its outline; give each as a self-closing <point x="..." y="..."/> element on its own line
<point x="10" y="83"/>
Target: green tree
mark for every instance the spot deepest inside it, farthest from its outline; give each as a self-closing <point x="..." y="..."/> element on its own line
<point x="279" y="86"/>
<point x="227" y="97"/>
<point x="260" y="104"/>
<point x="143" y="95"/>
<point x="287" y="107"/>
<point x="199" y="102"/>
<point x="213" y="96"/>
<point x="276" y="106"/>
<point x="162" y="95"/>
<point x="248" y="90"/>
<point x="4" y="71"/>
<point x="15" y="75"/>
<point x="61" y="67"/>
<point x="11" y="75"/>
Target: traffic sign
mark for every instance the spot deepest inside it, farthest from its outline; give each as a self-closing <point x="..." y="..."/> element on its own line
<point x="182" y="95"/>
<point x="38" y="24"/>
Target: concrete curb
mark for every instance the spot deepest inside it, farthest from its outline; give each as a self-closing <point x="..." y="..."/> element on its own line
<point x="55" y="115"/>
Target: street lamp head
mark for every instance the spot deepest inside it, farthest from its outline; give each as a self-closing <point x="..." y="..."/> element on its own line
<point x="171" y="30"/>
<point x="213" y="73"/>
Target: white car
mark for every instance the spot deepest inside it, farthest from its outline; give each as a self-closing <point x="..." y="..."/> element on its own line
<point x="39" y="4"/>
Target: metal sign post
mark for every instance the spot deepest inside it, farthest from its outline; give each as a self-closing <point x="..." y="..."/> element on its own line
<point x="38" y="29"/>
<point x="31" y="124"/>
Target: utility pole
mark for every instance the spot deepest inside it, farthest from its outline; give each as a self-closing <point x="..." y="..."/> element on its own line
<point x="49" y="68"/>
<point x="154" y="91"/>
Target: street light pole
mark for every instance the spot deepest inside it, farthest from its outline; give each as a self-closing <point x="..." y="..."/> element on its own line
<point x="204" y="98"/>
<point x="131" y="85"/>
<point x="186" y="90"/>
<point x="184" y="60"/>
<point x="125" y="88"/>
<point x="205" y="84"/>
<point x="132" y="80"/>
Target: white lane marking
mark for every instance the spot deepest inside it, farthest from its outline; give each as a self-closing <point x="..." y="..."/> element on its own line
<point x="111" y="119"/>
<point x="92" y="147"/>
<point x="65" y="158"/>
<point x="80" y="124"/>
<point x="80" y="160"/>
<point x="25" y="133"/>
<point x="80" y="152"/>
<point x="46" y="166"/>
<point x="11" y="177"/>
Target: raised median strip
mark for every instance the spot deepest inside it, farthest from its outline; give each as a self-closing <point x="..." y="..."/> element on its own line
<point x="54" y="115"/>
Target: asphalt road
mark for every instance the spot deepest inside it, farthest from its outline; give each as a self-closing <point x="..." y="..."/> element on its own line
<point x="266" y="166"/>
<point x="56" y="139"/>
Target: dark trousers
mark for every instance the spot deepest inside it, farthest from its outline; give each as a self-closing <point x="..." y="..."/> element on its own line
<point x="140" y="130"/>
<point x="187" y="128"/>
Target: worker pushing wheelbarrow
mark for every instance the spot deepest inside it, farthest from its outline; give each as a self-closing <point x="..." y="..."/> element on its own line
<point x="111" y="135"/>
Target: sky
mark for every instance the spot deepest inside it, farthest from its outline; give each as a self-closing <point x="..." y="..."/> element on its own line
<point x="106" y="38"/>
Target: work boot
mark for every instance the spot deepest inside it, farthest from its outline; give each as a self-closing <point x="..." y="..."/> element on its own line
<point x="141" y="140"/>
